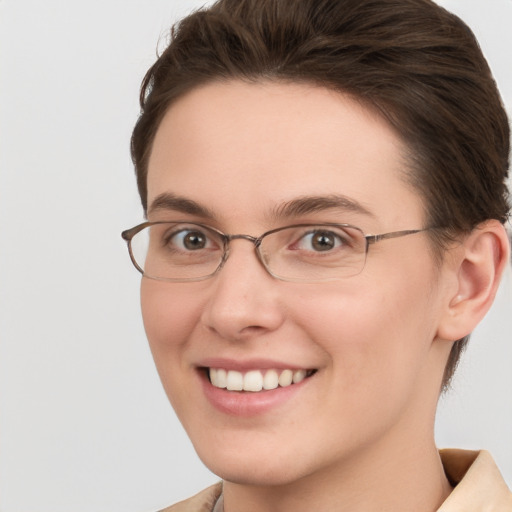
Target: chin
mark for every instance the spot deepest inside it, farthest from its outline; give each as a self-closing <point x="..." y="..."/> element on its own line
<point x="263" y="475"/>
<point x="254" y="467"/>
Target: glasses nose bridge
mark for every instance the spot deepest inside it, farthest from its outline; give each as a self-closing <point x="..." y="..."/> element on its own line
<point x="255" y="240"/>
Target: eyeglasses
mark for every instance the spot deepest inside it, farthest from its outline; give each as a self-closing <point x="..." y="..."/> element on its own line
<point x="180" y="251"/>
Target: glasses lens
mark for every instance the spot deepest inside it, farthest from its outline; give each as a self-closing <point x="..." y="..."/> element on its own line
<point x="314" y="252"/>
<point x="177" y="251"/>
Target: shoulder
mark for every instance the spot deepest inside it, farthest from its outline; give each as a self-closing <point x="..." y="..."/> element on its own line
<point x="201" y="502"/>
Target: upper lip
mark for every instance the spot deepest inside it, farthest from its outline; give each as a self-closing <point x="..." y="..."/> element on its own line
<point x="249" y="364"/>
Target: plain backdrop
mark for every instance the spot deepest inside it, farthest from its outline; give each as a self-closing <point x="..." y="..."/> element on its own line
<point x="84" y="424"/>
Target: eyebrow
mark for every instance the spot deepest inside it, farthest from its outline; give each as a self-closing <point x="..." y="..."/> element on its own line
<point x="313" y="204"/>
<point x="294" y="208"/>
<point x="169" y="201"/>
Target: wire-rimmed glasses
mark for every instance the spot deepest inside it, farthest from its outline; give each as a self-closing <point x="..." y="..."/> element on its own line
<point x="181" y="251"/>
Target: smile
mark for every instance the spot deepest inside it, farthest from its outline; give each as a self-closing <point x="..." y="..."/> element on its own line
<point x="256" y="380"/>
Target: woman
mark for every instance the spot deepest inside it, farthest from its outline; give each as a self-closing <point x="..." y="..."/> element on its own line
<point x="324" y="183"/>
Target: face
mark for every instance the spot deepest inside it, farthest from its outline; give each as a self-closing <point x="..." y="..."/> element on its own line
<point x="243" y="155"/>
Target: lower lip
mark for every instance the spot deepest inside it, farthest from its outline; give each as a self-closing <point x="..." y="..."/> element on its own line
<point x="247" y="403"/>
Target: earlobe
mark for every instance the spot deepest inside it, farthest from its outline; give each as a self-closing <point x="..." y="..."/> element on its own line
<point x="478" y="267"/>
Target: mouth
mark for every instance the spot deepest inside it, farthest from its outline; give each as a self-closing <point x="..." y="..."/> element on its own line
<point x="255" y="381"/>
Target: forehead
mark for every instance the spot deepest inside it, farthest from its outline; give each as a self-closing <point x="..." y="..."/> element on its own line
<point x="241" y="149"/>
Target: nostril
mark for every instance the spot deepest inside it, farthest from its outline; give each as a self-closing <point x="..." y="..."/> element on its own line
<point x="251" y="330"/>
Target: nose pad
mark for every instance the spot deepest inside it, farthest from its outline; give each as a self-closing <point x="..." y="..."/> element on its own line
<point x="244" y="298"/>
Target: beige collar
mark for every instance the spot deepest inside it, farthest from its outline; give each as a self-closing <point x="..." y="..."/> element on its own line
<point x="479" y="486"/>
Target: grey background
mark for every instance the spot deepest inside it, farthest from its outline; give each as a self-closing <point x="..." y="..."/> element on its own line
<point x="84" y="424"/>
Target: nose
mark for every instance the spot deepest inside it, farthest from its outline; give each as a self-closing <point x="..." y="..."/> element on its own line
<point x="244" y="299"/>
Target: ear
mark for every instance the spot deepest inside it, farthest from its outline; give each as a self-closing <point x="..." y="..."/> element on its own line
<point x="477" y="268"/>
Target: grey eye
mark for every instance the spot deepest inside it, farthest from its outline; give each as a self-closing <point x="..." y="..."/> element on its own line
<point x="193" y="240"/>
<point x="320" y="241"/>
<point x="323" y="241"/>
<point x="189" y="240"/>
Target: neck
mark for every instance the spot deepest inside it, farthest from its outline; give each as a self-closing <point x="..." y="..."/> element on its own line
<point x="385" y="478"/>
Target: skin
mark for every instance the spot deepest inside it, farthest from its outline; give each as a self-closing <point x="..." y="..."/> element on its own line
<point x="358" y="435"/>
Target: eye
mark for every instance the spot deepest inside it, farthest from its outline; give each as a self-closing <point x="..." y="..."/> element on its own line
<point x="194" y="240"/>
<point x="188" y="240"/>
<point x="321" y="241"/>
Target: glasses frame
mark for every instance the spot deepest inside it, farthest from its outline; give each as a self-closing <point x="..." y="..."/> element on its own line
<point x="128" y="235"/>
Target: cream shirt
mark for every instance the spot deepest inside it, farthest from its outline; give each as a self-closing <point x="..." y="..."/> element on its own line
<point x="479" y="487"/>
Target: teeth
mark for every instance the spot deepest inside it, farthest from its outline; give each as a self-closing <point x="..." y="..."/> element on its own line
<point x="219" y="376"/>
<point x="254" y="380"/>
<point x="271" y="380"/>
<point x="299" y="376"/>
<point x="235" y="381"/>
<point x="286" y="378"/>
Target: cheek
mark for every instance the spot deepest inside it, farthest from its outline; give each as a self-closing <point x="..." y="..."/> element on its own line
<point x="169" y="316"/>
<point x="377" y="336"/>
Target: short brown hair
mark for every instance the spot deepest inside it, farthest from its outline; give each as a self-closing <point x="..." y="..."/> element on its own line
<point x="414" y="62"/>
